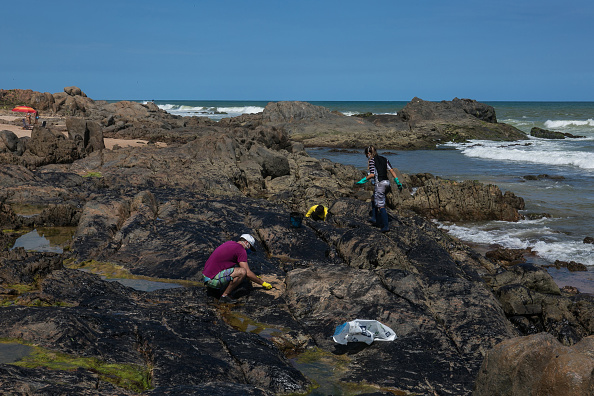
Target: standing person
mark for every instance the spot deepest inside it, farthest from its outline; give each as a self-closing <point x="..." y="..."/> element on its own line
<point x="28" y="117"/>
<point x="220" y="271"/>
<point x="36" y="117"/>
<point x="378" y="167"/>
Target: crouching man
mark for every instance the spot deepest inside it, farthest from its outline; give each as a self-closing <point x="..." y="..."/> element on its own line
<point x="228" y="266"/>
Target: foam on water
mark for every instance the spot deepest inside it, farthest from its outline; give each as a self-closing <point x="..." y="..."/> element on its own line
<point x="534" y="234"/>
<point x="564" y="124"/>
<point x="538" y="151"/>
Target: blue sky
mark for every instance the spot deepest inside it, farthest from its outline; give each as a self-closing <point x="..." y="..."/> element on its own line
<point x="302" y="50"/>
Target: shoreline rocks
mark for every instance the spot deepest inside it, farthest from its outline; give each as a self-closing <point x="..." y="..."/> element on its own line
<point x="159" y="212"/>
<point x="419" y="125"/>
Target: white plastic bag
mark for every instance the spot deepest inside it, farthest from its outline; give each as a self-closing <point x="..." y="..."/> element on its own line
<point x="362" y="330"/>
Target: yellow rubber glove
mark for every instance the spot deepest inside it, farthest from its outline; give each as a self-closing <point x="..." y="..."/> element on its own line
<point x="266" y="285"/>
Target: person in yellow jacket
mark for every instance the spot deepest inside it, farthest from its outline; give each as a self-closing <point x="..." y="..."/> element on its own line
<point x="317" y="212"/>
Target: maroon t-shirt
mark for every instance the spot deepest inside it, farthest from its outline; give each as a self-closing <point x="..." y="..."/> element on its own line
<point x="225" y="256"/>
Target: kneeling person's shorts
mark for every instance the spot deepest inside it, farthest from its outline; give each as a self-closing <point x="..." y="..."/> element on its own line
<point x="221" y="280"/>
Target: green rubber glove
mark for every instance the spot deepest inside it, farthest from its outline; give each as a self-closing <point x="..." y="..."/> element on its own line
<point x="266" y="285"/>
<point x="362" y="181"/>
<point x="398" y="184"/>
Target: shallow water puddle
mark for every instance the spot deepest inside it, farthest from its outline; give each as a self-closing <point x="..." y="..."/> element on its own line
<point x="583" y="280"/>
<point x="13" y="352"/>
<point x="142" y="284"/>
<point x="52" y="239"/>
<point x="325" y="369"/>
<point x="245" y="324"/>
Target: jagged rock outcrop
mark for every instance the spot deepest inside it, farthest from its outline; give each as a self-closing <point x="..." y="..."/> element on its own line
<point x="88" y="135"/>
<point x="456" y="201"/>
<point x="420" y="124"/>
<point x="49" y="146"/>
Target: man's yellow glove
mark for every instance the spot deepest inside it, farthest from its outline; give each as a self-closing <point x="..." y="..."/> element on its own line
<point x="266" y="285"/>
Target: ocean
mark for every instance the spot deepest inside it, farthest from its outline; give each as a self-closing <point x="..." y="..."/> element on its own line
<point x="566" y="193"/>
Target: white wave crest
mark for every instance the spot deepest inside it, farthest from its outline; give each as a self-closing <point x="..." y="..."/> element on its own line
<point x="561" y="124"/>
<point x="566" y="251"/>
<point x="352" y="113"/>
<point x="240" y="110"/>
<point x="543" y="152"/>
<point x="526" y="238"/>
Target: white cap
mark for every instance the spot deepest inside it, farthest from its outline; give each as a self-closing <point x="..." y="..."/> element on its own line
<point x="250" y="240"/>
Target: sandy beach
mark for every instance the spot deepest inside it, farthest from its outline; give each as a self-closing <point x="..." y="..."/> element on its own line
<point x="109" y="142"/>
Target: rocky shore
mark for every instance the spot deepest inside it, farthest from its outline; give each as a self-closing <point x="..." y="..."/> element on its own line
<point x="466" y="324"/>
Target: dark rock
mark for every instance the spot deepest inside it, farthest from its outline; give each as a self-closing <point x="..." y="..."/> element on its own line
<point x="536" y="216"/>
<point x="571" y="265"/>
<point x="589" y="240"/>
<point x="508" y="257"/>
<point x="20" y="267"/>
<point x="546" y="134"/>
<point x="8" y="141"/>
<point x="540" y="177"/>
<point x="7" y="217"/>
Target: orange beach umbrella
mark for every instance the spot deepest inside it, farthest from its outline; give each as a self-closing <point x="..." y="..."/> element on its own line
<point x="24" y="109"/>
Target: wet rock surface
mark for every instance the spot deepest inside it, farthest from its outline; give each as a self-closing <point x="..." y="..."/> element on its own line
<point x="160" y="212"/>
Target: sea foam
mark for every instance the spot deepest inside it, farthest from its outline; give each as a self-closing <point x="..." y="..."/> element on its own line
<point x="561" y="124"/>
<point x="537" y="237"/>
<point x="538" y="152"/>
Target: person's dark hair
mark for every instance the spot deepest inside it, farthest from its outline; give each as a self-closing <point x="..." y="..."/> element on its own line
<point x="318" y="213"/>
<point x="372" y="150"/>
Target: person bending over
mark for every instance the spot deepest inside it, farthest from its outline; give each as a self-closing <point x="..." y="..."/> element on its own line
<point x="317" y="212"/>
<point x="228" y="266"/>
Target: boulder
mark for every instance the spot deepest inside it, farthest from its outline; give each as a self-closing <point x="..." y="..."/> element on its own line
<point x="8" y="141"/>
<point x="52" y="147"/>
<point x="571" y="265"/>
<point x="537" y="365"/>
<point x="87" y="134"/>
<point x="546" y="134"/>
<point x="74" y="91"/>
<point x="508" y="257"/>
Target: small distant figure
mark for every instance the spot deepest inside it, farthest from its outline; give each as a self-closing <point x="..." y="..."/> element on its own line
<point x="317" y="213"/>
<point x="26" y="125"/>
<point x="36" y="117"/>
<point x="28" y="118"/>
